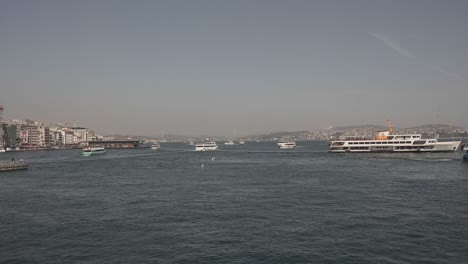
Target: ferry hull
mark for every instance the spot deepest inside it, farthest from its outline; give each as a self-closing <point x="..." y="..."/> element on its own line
<point x="87" y="154"/>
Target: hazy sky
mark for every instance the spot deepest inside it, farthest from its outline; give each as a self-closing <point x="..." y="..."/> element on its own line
<point x="213" y="67"/>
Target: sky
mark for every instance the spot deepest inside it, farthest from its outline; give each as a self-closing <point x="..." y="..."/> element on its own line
<point x="221" y="67"/>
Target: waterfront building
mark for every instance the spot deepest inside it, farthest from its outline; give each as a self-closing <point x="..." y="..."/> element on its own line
<point x="10" y="135"/>
<point x="2" y="139"/>
<point x="68" y="137"/>
<point x="41" y="131"/>
<point x="48" y="140"/>
<point x="81" y="134"/>
<point x="29" y="135"/>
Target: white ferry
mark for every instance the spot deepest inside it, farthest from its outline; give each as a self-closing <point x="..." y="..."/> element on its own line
<point x="95" y="150"/>
<point x="286" y="144"/>
<point x="207" y="146"/>
<point x="155" y="146"/>
<point x="387" y="142"/>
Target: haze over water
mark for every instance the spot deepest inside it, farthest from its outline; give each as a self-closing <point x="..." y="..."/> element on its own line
<point x="250" y="204"/>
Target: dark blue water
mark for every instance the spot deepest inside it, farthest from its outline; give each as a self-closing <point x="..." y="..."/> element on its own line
<point x="252" y="204"/>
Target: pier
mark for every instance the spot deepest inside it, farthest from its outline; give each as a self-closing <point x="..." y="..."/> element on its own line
<point x="12" y="166"/>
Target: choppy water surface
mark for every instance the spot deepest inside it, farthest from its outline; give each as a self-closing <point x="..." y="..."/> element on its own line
<point x="248" y="203"/>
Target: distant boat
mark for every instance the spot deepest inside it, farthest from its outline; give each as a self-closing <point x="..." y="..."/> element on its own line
<point x="230" y="142"/>
<point x="207" y="146"/>
<point x="241" y="142"/>
<point x="2" y="150"/>
<point x="95" y="150"/>
<point x="155" y="146"/>
<point x="286" y="144"/>
<point x="191" y="143"/>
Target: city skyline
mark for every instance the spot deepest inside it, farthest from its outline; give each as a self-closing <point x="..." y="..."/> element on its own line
<point x="369" y="129"/>
<point x="213" y="68"/>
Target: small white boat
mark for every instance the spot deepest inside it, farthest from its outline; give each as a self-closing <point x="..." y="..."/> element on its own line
<point x="95" y="150"/>
<point x="230" y="142"/>
<point x="207" y="146"/>
<point x="286" y="144"/>
<point x="2" y="150"/>
<point x="241" y="142"/>
<point x="155" y="146"/>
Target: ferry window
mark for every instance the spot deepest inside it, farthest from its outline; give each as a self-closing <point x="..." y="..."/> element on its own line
<point x="408" y="142"/>
<point x="379" y="142"/>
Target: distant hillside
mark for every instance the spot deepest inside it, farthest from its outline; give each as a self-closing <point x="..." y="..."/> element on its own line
<point x="436" y="126"/>
<point x="375" y="127"/>
<point x="321" y="134"/>
<point x="359" y="127"/>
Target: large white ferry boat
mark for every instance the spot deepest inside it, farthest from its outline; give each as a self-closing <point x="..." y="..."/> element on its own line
<point x="286" y="144"/>
<point x="388" y="142"/>
<point x="207" y="146"/>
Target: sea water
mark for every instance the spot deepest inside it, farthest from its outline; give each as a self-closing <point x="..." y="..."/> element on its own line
<point x="249" y="203"/>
